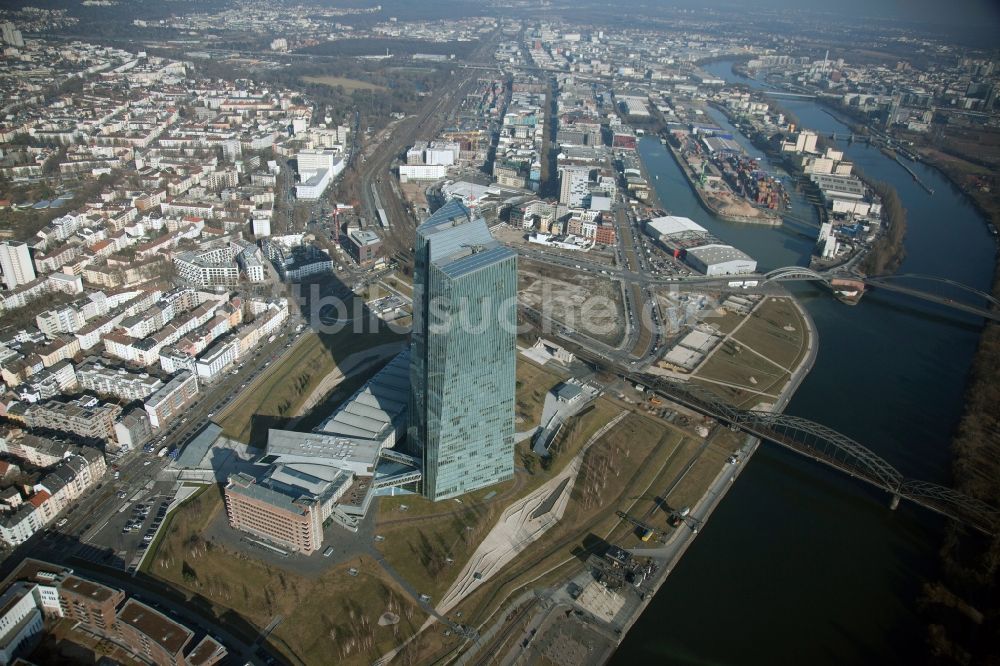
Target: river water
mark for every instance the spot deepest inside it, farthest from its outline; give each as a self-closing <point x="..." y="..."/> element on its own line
<point x="800" y="564"/>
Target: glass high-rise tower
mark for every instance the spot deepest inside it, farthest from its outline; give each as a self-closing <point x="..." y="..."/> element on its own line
<point x="462" y="354"/>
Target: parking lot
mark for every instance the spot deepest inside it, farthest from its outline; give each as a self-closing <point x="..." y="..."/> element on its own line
<point x="132" y="527"/>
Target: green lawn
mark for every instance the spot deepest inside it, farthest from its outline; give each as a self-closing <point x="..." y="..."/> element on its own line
<point x="421" y="547"/>
<point x="734" y="364"/>
<point x="533" y="382"/>
<point x="417" y="506"/>
<point x="329" y="619"/>
<point x="430" y="553"/>
<point x="622" y="471"/>
<point x="766" y="333"/>
<point x="727" y="322"/>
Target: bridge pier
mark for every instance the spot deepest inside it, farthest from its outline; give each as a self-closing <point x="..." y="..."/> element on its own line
<point x="894" y="503"/>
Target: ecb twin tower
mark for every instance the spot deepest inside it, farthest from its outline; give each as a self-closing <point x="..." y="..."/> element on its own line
<point x="462" y="354"/>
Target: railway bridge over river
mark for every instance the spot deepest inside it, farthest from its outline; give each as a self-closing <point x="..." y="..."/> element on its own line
<point x="831" y="448"/>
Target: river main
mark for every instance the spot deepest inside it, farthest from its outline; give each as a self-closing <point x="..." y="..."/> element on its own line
<point x="800" y="564"/>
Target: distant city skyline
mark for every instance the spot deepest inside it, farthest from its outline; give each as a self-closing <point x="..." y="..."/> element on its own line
<point x="970" y="12"/>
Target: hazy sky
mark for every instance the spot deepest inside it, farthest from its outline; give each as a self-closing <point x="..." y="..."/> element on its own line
<point x="953" y="12"/>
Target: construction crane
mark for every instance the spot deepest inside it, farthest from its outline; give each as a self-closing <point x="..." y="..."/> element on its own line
<point x="702" y="176"/>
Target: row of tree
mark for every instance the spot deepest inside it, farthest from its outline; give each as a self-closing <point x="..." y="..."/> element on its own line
<point x="963" y="607"/>
<point x="887" y="252"/>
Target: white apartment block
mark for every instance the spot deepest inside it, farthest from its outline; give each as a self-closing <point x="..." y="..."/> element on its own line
<point x="21" y="620"/>
<point x="208" y="268"/>
<point x="171" y="400"/>
<point x="16" y="264"/>
<point x="66" y="319"/>
<point x="216" y="359"/>
<point x="118" y="382"/>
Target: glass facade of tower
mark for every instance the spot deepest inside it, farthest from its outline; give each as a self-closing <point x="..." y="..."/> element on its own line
<point x="462" y="354"/>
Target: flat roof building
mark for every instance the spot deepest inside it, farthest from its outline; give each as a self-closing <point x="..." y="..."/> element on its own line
<point x="840" y="187"/>
<point x="20" y="620"/>
<point x="291" y="521"/>
<point x="85" y="416"/>
<point x="106" y="612"/>
<point x="364" y="246"/>
<point x="717" y="259"/>
<point x="309" y="472"/>
<point x="159" y="640"/>
<point x="118" y="382"/>
<point x="692" y="242"/>
<point x="673" y="228"/>
<point x="172" y="398"/>
<point x="16" y="264"/>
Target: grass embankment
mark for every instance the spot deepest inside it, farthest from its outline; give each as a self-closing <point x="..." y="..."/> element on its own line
<point x="625" y="470"/>
<point x="756" y="362"/>
<point x="196" y="508"/>
<point x="277" y="394"/>
<point x="331" y="618"/>
<point x="430" y="542"/>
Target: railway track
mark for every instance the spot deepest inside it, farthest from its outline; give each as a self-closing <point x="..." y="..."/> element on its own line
<point x="488" y="654"/>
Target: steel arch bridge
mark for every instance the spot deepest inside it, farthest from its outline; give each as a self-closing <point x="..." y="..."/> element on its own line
<point x="895" y="283"/>
<point x="801" y="273"/>
<point x="832" y="448"/>
<point x="794" y="273"/>
<point x="883" y="280"/>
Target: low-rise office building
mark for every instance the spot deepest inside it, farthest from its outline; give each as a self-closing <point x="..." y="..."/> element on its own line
<point x="364" y="246"/>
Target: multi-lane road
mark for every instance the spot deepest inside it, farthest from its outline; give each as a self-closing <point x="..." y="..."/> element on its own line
<point x="91" y="540"/>
<point x="138" y="470"/>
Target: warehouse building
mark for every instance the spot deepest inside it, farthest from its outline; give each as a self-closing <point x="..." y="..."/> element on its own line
<point x="689" y="241"/>
<point x="719" y="259"/>
<point x="678" y="232"/>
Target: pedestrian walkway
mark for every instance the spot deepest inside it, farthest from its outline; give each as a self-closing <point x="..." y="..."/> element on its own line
<point x="522" y="523"/>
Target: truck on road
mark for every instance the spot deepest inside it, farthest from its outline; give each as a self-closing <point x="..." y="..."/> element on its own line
<point x="162" y="452"/>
